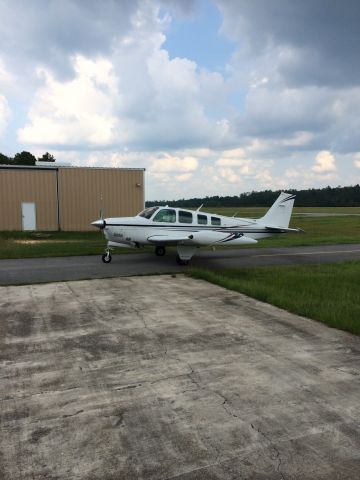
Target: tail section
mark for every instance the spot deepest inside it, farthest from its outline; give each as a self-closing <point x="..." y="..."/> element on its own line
<point x="279" y="214"/>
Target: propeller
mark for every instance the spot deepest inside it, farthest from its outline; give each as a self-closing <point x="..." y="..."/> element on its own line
<point x="101" y="224"/>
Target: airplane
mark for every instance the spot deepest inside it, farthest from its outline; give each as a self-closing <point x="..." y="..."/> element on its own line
<point x="164" y="226"/>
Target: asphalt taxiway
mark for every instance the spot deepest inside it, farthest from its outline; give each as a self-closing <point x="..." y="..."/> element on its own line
<point x="26" y="271"/>
<point x="168" y="377"/>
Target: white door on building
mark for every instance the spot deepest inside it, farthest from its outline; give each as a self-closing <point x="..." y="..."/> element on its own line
<point x="28" y="212"/>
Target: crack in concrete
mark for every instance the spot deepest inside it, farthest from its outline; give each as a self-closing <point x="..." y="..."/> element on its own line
<point x="275" y="456"/>
<point x="142" y="318"/>
<point x="126" y="387"/>
<point x="73" y="414"/>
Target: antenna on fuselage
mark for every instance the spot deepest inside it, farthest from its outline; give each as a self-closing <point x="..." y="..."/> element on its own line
<point x="198" y="209"/>
<point x="235" y="214"/>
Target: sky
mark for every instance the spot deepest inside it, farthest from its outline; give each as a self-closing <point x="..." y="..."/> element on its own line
<point x="211" y="97"/>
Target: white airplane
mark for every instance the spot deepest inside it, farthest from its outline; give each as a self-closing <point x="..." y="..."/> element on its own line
<point x="189" y="230"/>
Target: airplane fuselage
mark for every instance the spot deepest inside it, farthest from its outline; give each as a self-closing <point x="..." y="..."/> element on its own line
<point x="139" y="231"/>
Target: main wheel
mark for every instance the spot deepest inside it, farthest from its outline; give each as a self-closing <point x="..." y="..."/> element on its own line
<point x="179" y="261"/>
<point x="160" y="251"/>
<point x="106" y="258"/>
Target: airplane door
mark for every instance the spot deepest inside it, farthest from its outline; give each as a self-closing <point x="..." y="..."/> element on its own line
<point x="28" y="213"/>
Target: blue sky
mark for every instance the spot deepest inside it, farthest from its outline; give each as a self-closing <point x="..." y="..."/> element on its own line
<point x="198" y="38"/>
<point x="212" y="97"/>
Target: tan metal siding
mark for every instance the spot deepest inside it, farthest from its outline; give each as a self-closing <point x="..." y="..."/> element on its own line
<point x="81" y="189"/>
<point x="37" y="186"/>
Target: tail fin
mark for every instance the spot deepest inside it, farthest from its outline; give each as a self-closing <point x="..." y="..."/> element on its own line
<point x="280" y="212"/>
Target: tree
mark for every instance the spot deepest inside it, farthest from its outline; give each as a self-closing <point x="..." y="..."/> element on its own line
<point x="47" y="157"/>
<point x="4" y="160"/>
<point x="24" y="158"/>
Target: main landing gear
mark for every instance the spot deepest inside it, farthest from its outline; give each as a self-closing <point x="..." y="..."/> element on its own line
<point x="180" y="261"/>
<point x="160" y="251"/>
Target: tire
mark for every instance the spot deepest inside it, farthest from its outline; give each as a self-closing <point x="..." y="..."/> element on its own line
<point x="160" y="251"/>
<point x="106" y="258"/>
<point x="179" y="261"/>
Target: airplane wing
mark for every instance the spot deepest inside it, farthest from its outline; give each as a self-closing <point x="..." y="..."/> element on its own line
<point x="203" y="238"/>
<point x="168" y="239"/>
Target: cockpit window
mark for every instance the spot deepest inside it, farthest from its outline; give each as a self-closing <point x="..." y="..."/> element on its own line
<point x="148" y="212"/>
<point x="165" y="215"/>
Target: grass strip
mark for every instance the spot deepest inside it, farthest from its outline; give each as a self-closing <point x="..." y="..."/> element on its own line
<point x="326" y="293"/>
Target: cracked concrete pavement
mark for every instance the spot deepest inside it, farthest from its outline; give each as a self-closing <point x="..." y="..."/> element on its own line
<point x="171" y="378"/>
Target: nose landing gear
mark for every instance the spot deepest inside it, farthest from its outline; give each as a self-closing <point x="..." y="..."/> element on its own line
<point x="106" y="258"/>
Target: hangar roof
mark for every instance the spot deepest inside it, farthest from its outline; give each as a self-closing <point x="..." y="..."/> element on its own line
<point x="59" y="165"/>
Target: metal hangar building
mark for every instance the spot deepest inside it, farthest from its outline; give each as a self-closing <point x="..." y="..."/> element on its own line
<point x="55" y="197"/>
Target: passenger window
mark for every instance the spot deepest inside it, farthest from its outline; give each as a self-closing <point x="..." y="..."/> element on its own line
<point x="185" y="217"/>
<point x="215" y="221"/>
<point x="165" y="215"/>
<point x="202" y="219"/>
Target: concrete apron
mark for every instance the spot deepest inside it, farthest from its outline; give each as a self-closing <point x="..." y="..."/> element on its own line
<point x="163" y="377"/>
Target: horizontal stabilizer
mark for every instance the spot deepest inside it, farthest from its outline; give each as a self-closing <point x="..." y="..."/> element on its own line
<point x="283" y="230"/>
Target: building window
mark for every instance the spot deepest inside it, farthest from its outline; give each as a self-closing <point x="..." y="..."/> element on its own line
<point x="165" y="215"/>
<point x="202" y="219"/>
<point x="215" y="221"/>
<point x="185" y="217"/>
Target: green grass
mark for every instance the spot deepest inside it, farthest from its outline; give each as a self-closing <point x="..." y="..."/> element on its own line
<point x="327" y="293"/>
<point x="50" y="244"/>
<point x="319" y="231"/>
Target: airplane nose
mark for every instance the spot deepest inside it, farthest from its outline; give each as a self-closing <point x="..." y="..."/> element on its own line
<point x="99" y="223"/>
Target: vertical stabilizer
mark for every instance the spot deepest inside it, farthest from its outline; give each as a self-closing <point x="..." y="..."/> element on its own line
<point x="280" y="212"/>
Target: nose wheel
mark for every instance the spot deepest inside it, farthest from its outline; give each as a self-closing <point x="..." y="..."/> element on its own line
<point x="106" y="258"/>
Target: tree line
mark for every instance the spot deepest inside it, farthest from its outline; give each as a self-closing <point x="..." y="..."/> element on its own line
<point x="313" y="197"/>
<point x="25" y="158"/>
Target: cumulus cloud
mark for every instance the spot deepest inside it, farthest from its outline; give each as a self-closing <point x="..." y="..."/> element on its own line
<point x="50" y="33"/>
<point x="137" y="97"/>
<point x="357" y="160"/>
<point x="75" y="112"/>
<point x="99" y="87"/>
<point x="4" y="114"/>
<point x="6" y="78"/>
<point x="324" y="162"/>
<point x="235" y="160"/>
<point x="295" y="63"/>
<point x="173" y="164"/>
<point x="316" y="42"/>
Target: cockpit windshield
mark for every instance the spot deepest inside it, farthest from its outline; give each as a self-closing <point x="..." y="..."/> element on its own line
<point x="148" y="212"/>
